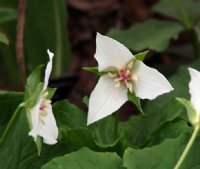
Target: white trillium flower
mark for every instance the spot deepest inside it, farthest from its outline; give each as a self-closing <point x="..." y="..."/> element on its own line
<point x="42" y="119"/>
<point x="125" y="73"/>
<point x="195" y="93"/>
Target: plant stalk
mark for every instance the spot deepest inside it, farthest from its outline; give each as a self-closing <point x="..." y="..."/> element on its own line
<point x="195" y="43"/>
<point x="116" y="124"/>
<point x="59" y="47"/>
<point x="11" y="122"/>
<point x="187" y="148"/>
<point x="20" y="41"/>
<point x="183" y="14"/>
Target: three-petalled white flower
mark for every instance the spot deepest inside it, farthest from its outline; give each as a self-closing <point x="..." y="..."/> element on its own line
<point x="125" y="73"/>
<point x="41" y="115"/>
<point x="195" y="94"/>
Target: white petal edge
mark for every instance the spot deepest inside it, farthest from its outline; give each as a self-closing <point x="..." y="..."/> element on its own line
<point x="194" y="89"/>
<point x="111" y="53"/>
<point x="150" y="83"/>
<point x="105" y="99"/>
<point x="34" y="119"/>
<point x="48" y="70"/>
<point x="48" y="131"/>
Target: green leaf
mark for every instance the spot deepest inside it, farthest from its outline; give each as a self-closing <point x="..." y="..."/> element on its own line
<point x="47" y="29"/>
<point x="141" y="128"/>
<point x="164" y="155"/>
<point x="72" y="124"/>
<point x="8" y="103"/>
<point x="4" y="38"/>
<point x="70" y="115"/>
<point x="86" y="158"/>
<point x="7" y="14"/>
<point x="152" y="34"/>
<point x="141" y="56"/>
<point x="171" y="129"/>
<point x="183" y="10"/>
<point x="136" y="101"/>
<point x="18" y="149"/>
<point x="103" y="131"/>
<point x="78" y="138"/>
<point x="192" y="115"/>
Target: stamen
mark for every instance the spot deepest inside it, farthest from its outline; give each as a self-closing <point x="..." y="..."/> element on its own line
<point x="130" y="65"/>
<point x="124" y="77"/>
<point x="134" y="78"/>
<point x="45" y="94"/>
<point x="43" y="113"/>
<point x="117" y="85"/>
<point x="112" y="74"/>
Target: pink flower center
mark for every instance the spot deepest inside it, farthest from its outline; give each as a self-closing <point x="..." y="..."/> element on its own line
<point x="124" y="75"/>
<point x="42" y="106"/>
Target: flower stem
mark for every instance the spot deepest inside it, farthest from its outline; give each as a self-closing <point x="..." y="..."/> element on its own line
<point x="195" y="43"/>
<point x="20" y="41"/>
<point x="187" y="148"/>
<point x="11" y="122"/>
<point x="116" y="124"/>
<point x="183" y="14"/>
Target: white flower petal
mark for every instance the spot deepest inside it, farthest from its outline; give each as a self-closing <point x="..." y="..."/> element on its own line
<point x="33" y="114"/>
<point x="110" y="53"/>
<point x="194" y="88"/>
<point x="105" y="99"/>
<point x="48" y="71"/>
<point x="48" y="128"/>
<point x="150" y="83"/>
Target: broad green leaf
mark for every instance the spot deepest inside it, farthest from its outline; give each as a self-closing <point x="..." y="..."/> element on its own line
<point x="8" y="103"/>
<point x="72" y="123"/>
<point x="7" y="14"/>
<point x="18" y="149"/>
<point x="187" y="11"/>
<point x="164" y="155"/>
<point x="46" y="28"/>
<point x="4" y="38"/>
<point x="78" y="138"/>
<point x="69" y="115"/>
<point x="192" y="114"/>
<point x="171" y="129"/>
<point x="152" y="34"/>
<point x="141" y="128"/>
<point x="103" y="131"/>
<point x="86" y="158"/>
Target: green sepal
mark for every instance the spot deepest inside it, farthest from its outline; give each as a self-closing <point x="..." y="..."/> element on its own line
<point x="4" y="39"/>
<point x="32" y="81"/>
<point x="86" y="100"/>
<point x="94" y="70"/>
<point x="32" y="100"/>
<point x="51" y="92"/>
<point x="38" y="143"/>
<point x="192" y="115"/>
<point x="135" y="100"/>
<point x="141" y="56"/>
